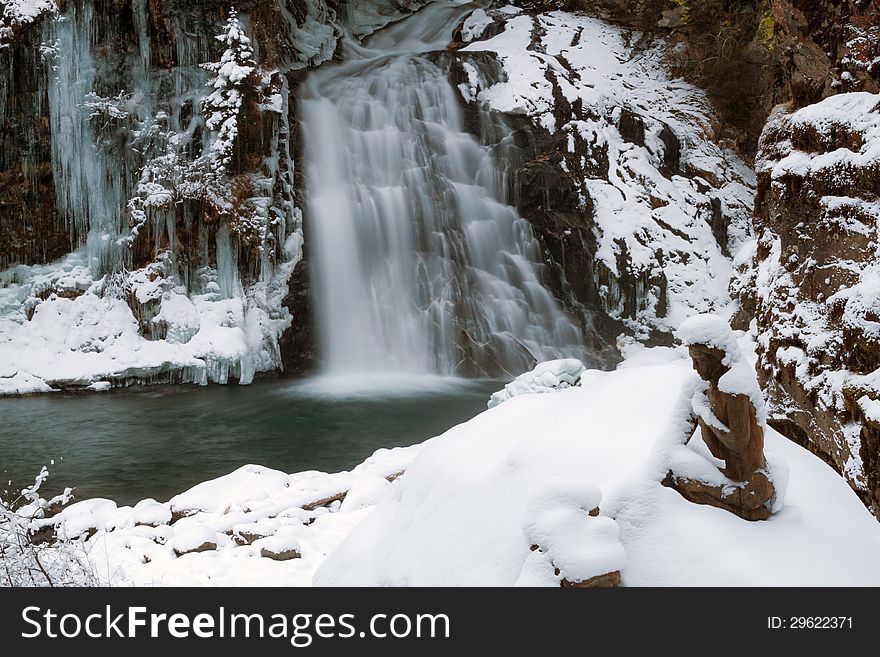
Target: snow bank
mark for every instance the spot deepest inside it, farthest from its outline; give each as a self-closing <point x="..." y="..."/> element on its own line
<point x="457" y="516"/>
<point x="466" y="508"/>
<point x="255" y="526"/>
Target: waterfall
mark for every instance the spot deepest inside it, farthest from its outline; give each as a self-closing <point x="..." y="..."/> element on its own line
<point x="420" y="265"/>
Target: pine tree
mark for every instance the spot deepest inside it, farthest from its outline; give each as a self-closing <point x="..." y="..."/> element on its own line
<point x="231" y="74"/>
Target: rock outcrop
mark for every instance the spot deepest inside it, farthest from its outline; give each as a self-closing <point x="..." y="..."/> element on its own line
<point x="637" y="208"/>
<point x="817" y="278"/>
<point x="751" y="55"/>
<point x="728" y="409"/>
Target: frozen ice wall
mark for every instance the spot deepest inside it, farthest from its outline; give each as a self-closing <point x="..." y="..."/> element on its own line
<point x="179" y="266"/>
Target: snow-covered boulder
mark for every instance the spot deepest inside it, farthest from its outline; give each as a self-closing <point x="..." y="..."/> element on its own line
<point x="152" y="513"/>
<point x="283" y="546"/>
<point x="194" y="538"/>
<point x="571" y="543"/>
<point x="546" y="377"/>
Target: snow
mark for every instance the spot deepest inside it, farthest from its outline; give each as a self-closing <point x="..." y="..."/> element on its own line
<point x="193" y="537"/>
<point x="475" y="24"/>
<point x="243" y="513"/>
<point x="457" y="517"/>
<point x="150" y="512"/>
<point x="81" y="517"/>
<point x="871" y="409"/>
<point x="856" y="114"/>
<point x="22" y="383"/>
<point x="545" y="377"/>
<point x="22" y="12"/>
<point x="712" y="331"/>
<point x="465" y="508"/>
<point x="366" y="491"/>
<point x="558" y="524"/>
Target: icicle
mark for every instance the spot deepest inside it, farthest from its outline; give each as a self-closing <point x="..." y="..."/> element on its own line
<point x="88" y="187"/>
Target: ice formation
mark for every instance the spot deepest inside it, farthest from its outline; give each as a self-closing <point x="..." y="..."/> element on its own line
<point x="126" y="181"/>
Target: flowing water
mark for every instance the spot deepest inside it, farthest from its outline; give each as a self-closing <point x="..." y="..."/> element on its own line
<point x="420" y="265"/>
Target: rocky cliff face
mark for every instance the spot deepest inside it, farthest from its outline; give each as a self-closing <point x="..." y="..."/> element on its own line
<point x="815" y="211"/>
<point x="751" y="55"/>
<point x="639" y="211"/>
<point x="817" y="278"/>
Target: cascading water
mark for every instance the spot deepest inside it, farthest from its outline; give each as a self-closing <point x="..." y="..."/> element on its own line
<point x="420" y="265"/>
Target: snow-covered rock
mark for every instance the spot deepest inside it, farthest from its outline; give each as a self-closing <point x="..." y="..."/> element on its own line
<point x="628" y="187"/>
<point x="546" y="377"/>
<point x="280" y="547"/>
<point x="564" y="524"/>
<point x="194" y="538"/>
<point x="17" y="13"/>
<point x="150" y="512"/>
<point x="815" y="279"/>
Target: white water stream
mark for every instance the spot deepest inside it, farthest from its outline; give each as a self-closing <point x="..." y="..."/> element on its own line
<point x="420" y="265"/>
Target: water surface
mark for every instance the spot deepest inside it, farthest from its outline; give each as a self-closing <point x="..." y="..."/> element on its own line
<point x="157" y="441"/>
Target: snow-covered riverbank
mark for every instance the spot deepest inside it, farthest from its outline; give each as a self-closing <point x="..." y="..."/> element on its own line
<point x="458" y="513"/>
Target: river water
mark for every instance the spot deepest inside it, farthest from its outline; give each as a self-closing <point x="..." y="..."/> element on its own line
<point x="157" y="441"/>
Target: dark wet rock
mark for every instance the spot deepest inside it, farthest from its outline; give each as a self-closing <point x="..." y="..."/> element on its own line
<point x="207" y="546"/>
<point x="281" y="555"/>
<point x="608" y="580"/>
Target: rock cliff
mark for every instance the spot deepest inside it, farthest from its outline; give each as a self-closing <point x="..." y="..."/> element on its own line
<point x="816" y="276"/>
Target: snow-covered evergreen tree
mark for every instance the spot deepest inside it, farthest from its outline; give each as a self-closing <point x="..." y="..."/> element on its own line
<point x="231" y="74"/>
<point x="168" y="176"/>
<point x="15" y="13"/>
